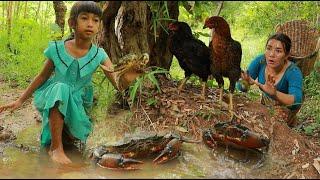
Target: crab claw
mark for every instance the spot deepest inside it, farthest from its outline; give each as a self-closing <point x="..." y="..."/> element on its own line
<point x="118" y="161"/>
<point x="208" y="139"/>
<point x="171" y="151"/>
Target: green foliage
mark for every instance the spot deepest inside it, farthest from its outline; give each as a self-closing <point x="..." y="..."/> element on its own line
<point x="311" y="128"/>
<point x="310" y="108"/>
<point x="160" y="13"/>
<point x="104" y="93"/>
<point x="311" y="83"/>
<point x="27" y="42"/>
<point x="139" y="82"/>
<point x="151" y="101"/>
<point x="175" y="70"/>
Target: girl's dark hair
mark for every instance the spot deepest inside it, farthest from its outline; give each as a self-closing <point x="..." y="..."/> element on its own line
<point x="83" y="6"/>
<point x="284" y="39"/>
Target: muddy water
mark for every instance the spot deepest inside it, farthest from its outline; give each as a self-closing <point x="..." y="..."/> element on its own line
<point x="196" y="161"/>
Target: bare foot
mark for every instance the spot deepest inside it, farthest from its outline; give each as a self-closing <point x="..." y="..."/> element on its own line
<point x="59" y="156"/>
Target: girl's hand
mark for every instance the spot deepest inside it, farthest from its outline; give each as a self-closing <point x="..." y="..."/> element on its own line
<point x="111" y="75"/>
<point x="12" y="106"/>
<point x="109" y="70"/>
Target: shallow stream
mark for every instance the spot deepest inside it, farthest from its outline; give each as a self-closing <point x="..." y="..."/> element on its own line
<point x="196" y="161"/>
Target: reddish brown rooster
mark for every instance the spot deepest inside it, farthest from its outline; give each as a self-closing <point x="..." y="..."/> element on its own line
<point x="225" y="56"/>
<point x="192" y="54"/>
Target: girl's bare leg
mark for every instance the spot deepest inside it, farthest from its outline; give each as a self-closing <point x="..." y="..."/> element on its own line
<point x="56" y="151"/>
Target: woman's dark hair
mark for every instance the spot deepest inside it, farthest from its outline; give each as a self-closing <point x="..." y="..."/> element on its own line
<point x="83" y="6"/>
<point x="284" y="39"/>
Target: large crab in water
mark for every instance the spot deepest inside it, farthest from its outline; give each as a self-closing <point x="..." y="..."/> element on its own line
<point x="236" y="136"/>
<point x="121" y="155"/>
<point x="128" y="68"/>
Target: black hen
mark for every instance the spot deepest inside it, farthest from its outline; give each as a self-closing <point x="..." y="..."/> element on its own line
<point x="193" y="55"/>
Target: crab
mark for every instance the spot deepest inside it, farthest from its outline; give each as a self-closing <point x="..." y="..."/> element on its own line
<point x="128" y="69"/>
<point x="237" y="136"/>
<point x="121" y="155"/>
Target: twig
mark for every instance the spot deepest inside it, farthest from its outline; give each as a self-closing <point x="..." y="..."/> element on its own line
<point x="148" y="118"/>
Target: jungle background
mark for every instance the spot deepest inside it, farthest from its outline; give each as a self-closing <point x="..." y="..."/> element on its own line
<point x="28" y="26"/>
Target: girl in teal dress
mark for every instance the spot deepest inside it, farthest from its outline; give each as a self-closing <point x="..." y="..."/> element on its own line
<point x="63" y="91"/>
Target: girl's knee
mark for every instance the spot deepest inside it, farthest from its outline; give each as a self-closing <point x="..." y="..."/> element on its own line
<point x="55" y="110"/>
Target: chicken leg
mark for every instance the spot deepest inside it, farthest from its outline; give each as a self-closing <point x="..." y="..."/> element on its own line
<point x="231" y="105"/>
<point x="203" y="91"/>
<point x="231" y="91"/>
<point x="220" y="97"/>
<point x="183" y="82"/>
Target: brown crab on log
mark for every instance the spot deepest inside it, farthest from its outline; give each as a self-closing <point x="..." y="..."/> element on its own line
<point x="129" y="67"/>
<point x="121" y="155"/>
<point x="234" y="135"/>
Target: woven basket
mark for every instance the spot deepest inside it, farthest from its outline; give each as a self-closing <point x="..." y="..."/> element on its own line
<point x="305" y="43"/>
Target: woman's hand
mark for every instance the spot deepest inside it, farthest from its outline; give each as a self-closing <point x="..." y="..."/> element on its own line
<point x="269" y="87"/>
<point x="246" y="77"/>
<point x="12" y="106"/>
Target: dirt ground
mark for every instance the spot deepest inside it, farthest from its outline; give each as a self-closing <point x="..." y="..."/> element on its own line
<point x="188" y="114"/>
<point x="13" y="123"/>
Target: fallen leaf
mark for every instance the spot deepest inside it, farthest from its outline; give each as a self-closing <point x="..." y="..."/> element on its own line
<point x="296" y="148"/>
<point x="187" y="110"/>
<point x="316" y="164"/>
<point x="291" y="175"/>
<point x="175" y="108"/>
<point x="240" y="105"/>
<point x="177" y="121"/>
<point x="305" y="166"/>
<point x="181" y="129"/>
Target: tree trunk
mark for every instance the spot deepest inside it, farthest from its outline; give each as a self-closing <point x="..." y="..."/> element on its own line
<point x="218" y="10"/>
<point x="17" y="11"/>
<point x="46" y="12"/>
<point x="126" y="29"/>
<point x="38" y="11"/>
<point x="9" y="23"/>
<point x="9" y="17"/>
<point x="25" y="10"/>
<point x="4" y="12"/>
<point x="60" y="10"/>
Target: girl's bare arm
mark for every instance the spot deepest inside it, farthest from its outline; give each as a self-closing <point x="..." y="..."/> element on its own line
<point x="108" y="71"/>
<point x="38" y="80"/>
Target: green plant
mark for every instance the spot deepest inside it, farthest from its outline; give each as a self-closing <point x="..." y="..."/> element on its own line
<point x="310" y="109"/>
<point x="310" y="128"/>
<point x="138" y="84"/>
<point x="151" y="101"/>
<point x="160" y="13"/>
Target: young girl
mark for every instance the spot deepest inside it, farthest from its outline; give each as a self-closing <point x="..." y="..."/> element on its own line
<point x="64" y="98"/>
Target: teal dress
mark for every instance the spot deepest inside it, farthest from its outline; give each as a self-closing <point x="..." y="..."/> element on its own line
<point x="71" y="88"/>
